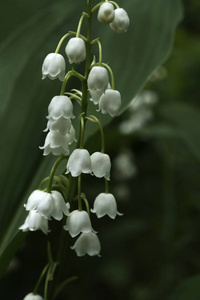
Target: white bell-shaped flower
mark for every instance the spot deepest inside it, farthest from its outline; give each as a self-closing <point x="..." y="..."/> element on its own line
<point x="76" y="50"/>
<point x="78" y="221"/>
<point x="71" y="135"/>
<point x="53" y="66"/>
<point x="98" y="79"/>
<point x="87" y="243"/>
<point x="79" y="162"/>
<point x="110" y="102"/>
<point x="34" y="221"/>
<point x="62" y="125"/>
<point x="121" y="21"/>
<point x="105" y="204"/>
<point x="48" y="204"/>
<point x="32" y="296"/>
<point x="106" y="13"/>
<point x="60" y="106"/>
<point x="101" y="165"/>
<point x="56" y="143"/>
<point x="95" y="96"/>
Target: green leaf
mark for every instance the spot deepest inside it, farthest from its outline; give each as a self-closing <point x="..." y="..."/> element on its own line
<point x="189" y="289"/>
<point x="24" y="97"/>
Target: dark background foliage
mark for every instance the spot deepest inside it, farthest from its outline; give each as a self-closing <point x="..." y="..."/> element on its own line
<point x="155" y="246"/>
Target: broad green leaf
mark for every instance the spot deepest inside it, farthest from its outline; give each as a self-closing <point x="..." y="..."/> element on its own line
<point x="24" y="97"/>
<point x="189" y="289"/>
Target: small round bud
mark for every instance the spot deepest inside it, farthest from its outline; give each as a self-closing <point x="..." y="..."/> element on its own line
<point x="75" y="50"/>
<point x="106" y="13"/>
<point x="121" y="21"/>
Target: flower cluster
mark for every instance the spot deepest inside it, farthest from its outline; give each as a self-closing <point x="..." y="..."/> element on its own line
<point x="98" y="164"/>
<point x="61" y="131"/>
<point x="117" y="18"/>
<point x="59" y="198"/>
<point x="42" y="206"/>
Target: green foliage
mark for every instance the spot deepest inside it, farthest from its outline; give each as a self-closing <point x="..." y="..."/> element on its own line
<point x="189" y="289"/>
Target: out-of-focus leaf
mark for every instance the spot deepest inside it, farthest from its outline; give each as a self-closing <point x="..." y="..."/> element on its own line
<point x="189" y="289"/>
<point x="184" y="120"/>
<point x="7" y="255"/>
<point x="24" y="97"/>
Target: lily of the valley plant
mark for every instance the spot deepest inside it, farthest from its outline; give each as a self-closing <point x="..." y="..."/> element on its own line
<point x="56" y="198"/>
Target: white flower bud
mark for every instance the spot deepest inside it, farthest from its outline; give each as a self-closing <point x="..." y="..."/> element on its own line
<point x="105" y="204"/>
<point x="60" y="106"/>
<point x="110" y="102"/>
<point x="78" y="221"/>
<point x="101" y="165"/>
<point x="79" y="162"/>
<point x="121" y="21"/>
<point x="76" y="50"/>
<point x="48" y="204"/>
<point x="106" y="13"/>
<point x="32" y="296"/>
<point x="98" y="79"/>
<point x="53" y="66"/>
<point x="87" y="243"/>
<point x="56" y="143"/>
<point x="35" y="221"/>
<point x="62" y="125"/>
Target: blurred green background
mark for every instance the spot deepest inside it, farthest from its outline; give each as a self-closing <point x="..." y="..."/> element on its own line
<point x="155" y="150"/>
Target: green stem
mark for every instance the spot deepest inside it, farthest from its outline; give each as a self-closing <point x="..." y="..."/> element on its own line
<point x="40" y="279"/>
<point x="53" y="170"/>
<point x="100" y="49"/>
<point x="79" y="193"/>
<point x="75" y="97"/>
<point x="80" y="23"/>
<point x="106" y="186"/>
<point x="111" y="75"/>
<point x="64" y="283"/>
<point x="96" y="120"/>
<point x="81" y="130"/>
<point x="61" y="41"/>
<point x="115" y="4"/>
<point x="43" y="182"/>
<point x="67" y="76"/>
<point x="62" y="244"/>
<point x="86" y="203"/>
